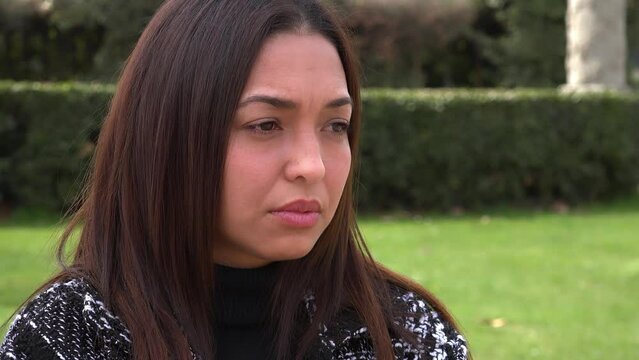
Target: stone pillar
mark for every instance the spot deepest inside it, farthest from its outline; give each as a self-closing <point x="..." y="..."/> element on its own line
<point x="596" y="52"/>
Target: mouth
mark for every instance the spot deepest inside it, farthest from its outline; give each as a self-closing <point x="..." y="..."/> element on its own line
<point x="300" y="213"/>
<point x="301" y="206"/>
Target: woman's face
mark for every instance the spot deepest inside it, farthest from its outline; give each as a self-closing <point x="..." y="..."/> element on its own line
<point x="288" y="154"/>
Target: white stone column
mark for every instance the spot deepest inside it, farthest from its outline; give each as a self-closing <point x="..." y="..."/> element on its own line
<point x="596" y="52"/>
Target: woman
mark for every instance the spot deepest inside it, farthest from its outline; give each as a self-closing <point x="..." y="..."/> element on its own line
<point x="218" y="220"/>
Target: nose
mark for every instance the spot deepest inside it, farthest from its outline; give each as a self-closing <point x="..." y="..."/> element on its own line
<point x="305" y="160"/>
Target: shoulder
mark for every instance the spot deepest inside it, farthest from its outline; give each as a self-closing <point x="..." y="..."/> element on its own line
<point x="66" y="319"/>
<point x="431" y="336"/>
<point x="436" y="337"/>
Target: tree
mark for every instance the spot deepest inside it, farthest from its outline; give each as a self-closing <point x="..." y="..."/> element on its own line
<point x="123" y="21"/>
<point x="596" y="45"/>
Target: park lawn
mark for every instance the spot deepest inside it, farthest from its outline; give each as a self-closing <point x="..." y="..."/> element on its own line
<point x="523" y="285"/>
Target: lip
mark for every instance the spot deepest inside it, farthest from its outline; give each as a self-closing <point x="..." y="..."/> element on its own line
<point x="300" y="206"/>
<point x="299" y="213"/>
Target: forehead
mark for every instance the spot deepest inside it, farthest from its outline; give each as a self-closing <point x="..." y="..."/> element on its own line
<point x="294" y="64"/>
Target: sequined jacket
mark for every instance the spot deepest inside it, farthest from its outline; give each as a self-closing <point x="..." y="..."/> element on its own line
<point x="68" y="320"/>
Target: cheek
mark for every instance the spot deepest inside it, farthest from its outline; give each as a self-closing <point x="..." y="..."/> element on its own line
<point x="248" y="176"/>
<point x="338" y="167"/>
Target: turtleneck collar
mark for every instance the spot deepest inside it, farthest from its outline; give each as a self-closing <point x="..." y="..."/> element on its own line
<point x="242" y="296"/>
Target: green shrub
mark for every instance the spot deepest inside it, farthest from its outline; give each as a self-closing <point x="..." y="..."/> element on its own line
<point x="425" y="149"/>
<point x="46" y="136"/>
<point x="420" y="149"/>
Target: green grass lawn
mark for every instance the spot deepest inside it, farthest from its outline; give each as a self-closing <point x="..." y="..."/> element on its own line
<point x="523" y="285"/>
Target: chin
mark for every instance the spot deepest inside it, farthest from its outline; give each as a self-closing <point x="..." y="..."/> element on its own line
<point x="291" y="252"/>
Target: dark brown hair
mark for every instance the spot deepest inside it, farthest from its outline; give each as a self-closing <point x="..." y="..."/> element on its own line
<point x="150" y="207"/>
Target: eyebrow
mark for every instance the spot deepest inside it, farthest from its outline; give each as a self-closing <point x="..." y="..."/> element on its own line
<point x="289" y="104"/>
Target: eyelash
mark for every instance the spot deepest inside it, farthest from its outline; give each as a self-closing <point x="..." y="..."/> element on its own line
<point x="256" y="127"/>
<point x="344" y="126"/>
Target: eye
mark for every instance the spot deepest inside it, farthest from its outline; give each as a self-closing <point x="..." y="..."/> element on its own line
<point x="339" y="126"/>
<point x="264" y="127"/>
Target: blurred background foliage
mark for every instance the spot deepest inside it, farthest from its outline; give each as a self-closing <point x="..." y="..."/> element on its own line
<point x="459" y="147"/>
<point x="453" y="148"/>
<point x="402" y="43"/>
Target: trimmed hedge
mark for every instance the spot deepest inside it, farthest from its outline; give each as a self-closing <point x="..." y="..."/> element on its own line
<point x="424" y="149"/>
<point x="420" y="149"/>
<point x="47" y="132"/>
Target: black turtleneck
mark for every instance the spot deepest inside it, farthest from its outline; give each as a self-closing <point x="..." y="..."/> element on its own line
<point x="242" y="304"/>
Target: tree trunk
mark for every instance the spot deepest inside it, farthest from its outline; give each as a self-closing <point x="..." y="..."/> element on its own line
<point x="596" y="45"/>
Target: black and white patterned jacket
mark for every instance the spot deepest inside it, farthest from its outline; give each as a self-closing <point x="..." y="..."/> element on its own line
<point x="68" y="321"/>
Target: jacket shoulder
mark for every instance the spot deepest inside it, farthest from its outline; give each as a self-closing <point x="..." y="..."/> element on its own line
<point x="67" y="319"/>
<point x="436" y="337"/>
<point x="431" y="336"/>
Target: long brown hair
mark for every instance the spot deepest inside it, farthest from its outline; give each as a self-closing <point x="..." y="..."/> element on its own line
<point x="150" y="207"/>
